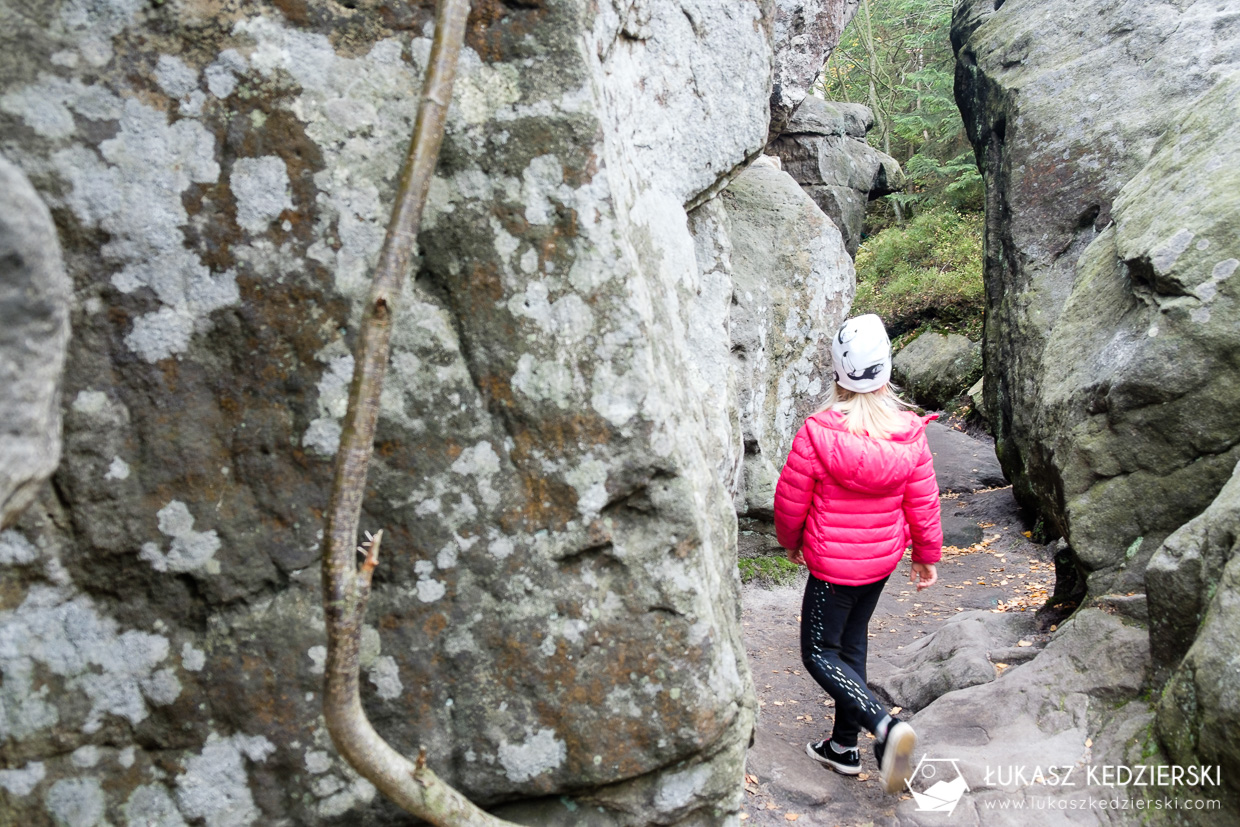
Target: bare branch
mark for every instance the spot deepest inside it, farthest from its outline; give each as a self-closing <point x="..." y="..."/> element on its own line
<point x="411" y="784"/>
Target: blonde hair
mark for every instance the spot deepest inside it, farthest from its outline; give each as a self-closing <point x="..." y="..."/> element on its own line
<point x="876" y="413"/>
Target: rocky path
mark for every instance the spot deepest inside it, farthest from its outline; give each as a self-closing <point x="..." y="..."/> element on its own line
<point x="991" y="566"/>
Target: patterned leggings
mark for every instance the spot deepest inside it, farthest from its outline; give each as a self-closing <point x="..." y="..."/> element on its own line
<point x="835" y="621"/>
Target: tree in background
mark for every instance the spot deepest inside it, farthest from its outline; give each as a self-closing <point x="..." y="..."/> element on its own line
<point x="896" y="57"/>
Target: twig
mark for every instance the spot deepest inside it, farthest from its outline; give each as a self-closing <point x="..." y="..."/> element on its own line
<point x="411" y="784"/>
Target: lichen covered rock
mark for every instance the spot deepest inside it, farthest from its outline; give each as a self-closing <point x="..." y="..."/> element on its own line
<point x="935" y="368"/>
<point x="823" y="148"/>
<point x="34" y="332"/>
<point x="1110" y="163"/>
<point x="555" y="618"/>
<point x="792" y="285"/>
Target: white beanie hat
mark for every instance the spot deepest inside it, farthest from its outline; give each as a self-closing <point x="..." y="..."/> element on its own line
<point x="861" y="354"/>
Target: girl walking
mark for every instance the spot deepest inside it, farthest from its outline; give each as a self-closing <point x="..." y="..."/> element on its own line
<point x="858" y="486"/>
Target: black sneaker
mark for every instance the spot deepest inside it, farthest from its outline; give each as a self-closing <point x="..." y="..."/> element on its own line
<point x="895" y="755"/>
<point x="847" y="762"/>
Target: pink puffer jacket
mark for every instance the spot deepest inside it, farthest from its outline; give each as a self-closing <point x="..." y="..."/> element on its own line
<point x="852" y="503"/>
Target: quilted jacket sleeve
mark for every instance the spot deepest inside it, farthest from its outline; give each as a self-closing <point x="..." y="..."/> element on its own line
<point x="921" y="508"/>
<point x="795" y="491"/>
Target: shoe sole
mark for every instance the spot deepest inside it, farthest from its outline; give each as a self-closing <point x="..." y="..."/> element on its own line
<point x="842" y="769"/>
<point x="897" y="765"/>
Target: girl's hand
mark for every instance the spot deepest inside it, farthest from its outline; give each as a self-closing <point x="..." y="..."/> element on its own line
<point x="924" y="575"/>
<point x="796" y="556"/>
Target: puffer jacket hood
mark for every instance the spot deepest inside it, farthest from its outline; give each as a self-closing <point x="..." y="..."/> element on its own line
<point x="852" y="503"/>
<point x="862" y="463"/>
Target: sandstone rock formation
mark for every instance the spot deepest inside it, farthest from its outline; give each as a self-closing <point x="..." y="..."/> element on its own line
<point x="823" y="148"/>
<point x="559" y="445"/>
<point x="935" y="368"/>
<point x="792" y="286"/>
<point x="806" y="31"/>
<point x="1110" y="167"/>
<point x="34" y="331"/>
<point x="1108" y="146"/>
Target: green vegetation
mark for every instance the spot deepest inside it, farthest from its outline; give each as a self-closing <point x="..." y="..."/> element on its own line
<point x="926" y="272"/>
<point x="896" y="57"/>
<point x="771" y="571"/>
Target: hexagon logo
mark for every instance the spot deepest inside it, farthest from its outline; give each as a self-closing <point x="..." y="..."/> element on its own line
<point x="937" y="785"/>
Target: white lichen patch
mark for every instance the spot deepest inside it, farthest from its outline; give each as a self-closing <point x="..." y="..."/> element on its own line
<point x="261" y="189"/>
<point x="16" y="549"/>
<point x="431" y="590"/>
<point x="589" y="479"/>
<point x="540" y="752"/>
<point x="190" y="551"/>
<point x="385" y="675"/>
<point x="150" y="805"/>
<point x="679" y="788"/>
<point x="92" y="25"/>
<point x="131" y="188"/>
<point x="118" y="672"/>
<point x="48" y="105"/>
<point x="192" y="660"/>
<point x="215" y="785"/>
<point x="357" y="792"/>
<point x="317" y="761"/>
<point x="118" y="470"/>
<point x="318" y="659"/>
<point x="176" y="78"/>
<point x="75" y="802"/>
<point x="22" y="782"/>
<point x="85" y="757"/>
<point x="323" y="435"/>
<point x="359" y="112"/>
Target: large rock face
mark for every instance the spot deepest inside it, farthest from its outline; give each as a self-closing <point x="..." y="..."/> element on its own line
<point x="1112" y="329"/>
<point x="1108" y="147"/>
<point x="792" y="285"/>
<point x="34" y="331"/>
<point x="823" y="148"/>
<point x="559" y="445"/>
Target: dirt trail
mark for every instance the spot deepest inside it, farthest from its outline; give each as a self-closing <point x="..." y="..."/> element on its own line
<point x="1006" y="571"/>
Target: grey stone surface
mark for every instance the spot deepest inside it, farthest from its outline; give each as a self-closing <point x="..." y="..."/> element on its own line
<point x="1199" y="711"/>
<point x="962" y="463"/>
<point x="1107" y="145"/>
<point x="935" y="368"/>
<point x="556" y="613"/>
<point x="792" y="285"/>
<point x="805" y="33"/>
<point x="34" y="331"/>
<point x="823" y="147"/>
<point x="960" y="531"/>
<point x="1185" y="571"/>
<point x="959" y="654"/>
<point x="1074" y="705"/>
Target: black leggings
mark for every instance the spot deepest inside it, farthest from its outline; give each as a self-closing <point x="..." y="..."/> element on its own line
<point x="835" y="623"/>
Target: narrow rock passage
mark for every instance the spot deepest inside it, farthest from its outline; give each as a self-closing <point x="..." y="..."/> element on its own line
<point x="1002" y="573"/>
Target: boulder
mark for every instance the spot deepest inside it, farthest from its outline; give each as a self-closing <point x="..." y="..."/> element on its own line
<point x="959" y="654"/>
<point x="823" y="147"/>
<point x="1107" y="147"/>
<point x="792" y="285"/>
<point x="1199" y="710"/>
<point x="34" y="332"/>
<point x="556" y="615"/>
<point x="961" y="463"/>
<point x="1076" y="704"/>
<point x="1186" y="571"/>
<point x="805" y="34"/>
<point x="935" y="368"/>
